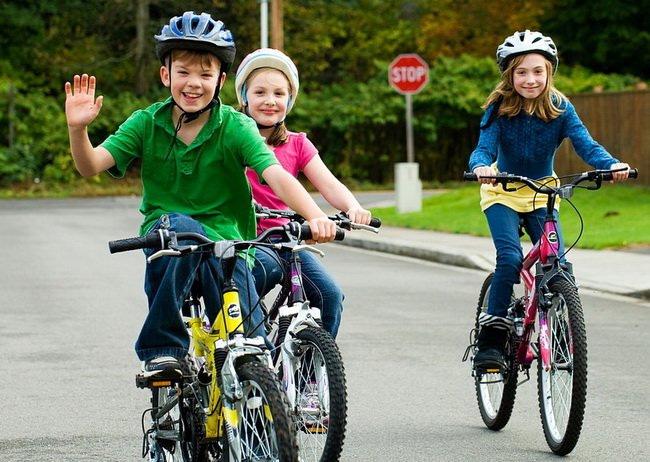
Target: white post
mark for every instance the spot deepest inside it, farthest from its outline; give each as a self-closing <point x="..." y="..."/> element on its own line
<point x="408" y="187"/>
<point x="264" y="23"/>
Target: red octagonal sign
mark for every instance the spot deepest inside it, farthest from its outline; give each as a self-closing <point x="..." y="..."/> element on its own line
<point x="408" y="73"/>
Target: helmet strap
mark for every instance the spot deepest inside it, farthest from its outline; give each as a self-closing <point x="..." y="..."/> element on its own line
<point x="259" y="125"/>
<point x="185" y="116"/>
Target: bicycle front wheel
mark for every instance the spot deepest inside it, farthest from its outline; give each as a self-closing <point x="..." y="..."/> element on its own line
<point x="495" y="393"/>
<point x="265" y="430"/>
<point x="562" y="390"/>
<point x="321" y="401"/>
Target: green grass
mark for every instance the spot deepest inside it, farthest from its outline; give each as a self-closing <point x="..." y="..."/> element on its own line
<point x="615" y="216"/>
<point x="83" y="187"/>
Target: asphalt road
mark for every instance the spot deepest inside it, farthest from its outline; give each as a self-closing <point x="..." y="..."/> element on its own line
<point x="70" y="313"/>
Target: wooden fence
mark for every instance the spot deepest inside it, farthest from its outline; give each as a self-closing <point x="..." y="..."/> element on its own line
<point x="618" y="121"/>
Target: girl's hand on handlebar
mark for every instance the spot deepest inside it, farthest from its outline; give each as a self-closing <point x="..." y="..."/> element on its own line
<point x="322" y="229"/>
<point x="359" y="215"/>
<point x="483" y="171"/>
<point x="623" y="174"/>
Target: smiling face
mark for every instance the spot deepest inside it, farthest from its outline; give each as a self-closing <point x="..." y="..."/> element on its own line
<point x="530" y="76"/>
<point x="267" y="92"/>
<point x="193" y="79"/>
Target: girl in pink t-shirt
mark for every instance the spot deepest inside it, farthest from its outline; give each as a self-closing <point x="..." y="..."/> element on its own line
<point x="267" y="86"/>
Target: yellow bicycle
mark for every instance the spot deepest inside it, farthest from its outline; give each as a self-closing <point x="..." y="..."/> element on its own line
<point x="225" y="404"/>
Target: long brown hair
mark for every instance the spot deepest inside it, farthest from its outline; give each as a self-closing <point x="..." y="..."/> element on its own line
<point x="280" y="134"/>
<point x="545" y="106"/>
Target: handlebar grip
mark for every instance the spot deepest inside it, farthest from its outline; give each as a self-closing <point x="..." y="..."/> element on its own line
<point x="375" y="222"/>
<point x="632" y="173"/>
<point x="305" y="233"/>
<point x="468" y="176"/>
<point x="150" y="241"/>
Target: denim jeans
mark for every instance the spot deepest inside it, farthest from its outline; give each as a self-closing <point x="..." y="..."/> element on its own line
<point x="320" y="289"/>
<point x="168" y="281"/>
<point x="504" y="227"/>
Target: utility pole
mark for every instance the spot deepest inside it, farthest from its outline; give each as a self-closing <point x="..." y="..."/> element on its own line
<point x="277" y="25"/>
<point x="264" y="23"/>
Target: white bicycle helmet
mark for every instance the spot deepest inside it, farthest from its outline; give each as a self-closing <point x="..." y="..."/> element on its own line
<point x="196" y="32"/>
<point x="528" y="41"/>
<point x="274" y="59"/>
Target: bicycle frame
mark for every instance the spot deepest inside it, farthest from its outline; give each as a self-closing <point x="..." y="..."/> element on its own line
<point x="544" y="254"/>
<point x="216" y="344"/>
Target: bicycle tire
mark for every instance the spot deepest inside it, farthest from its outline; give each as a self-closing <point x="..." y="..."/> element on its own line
<point x="568" y="345"/>
<point x="262" y="395"/>
<point x="185" y="418"/>
<point x="166" y="450"/>
<point x="320" y="374"/>
<point x="495" y="400"/>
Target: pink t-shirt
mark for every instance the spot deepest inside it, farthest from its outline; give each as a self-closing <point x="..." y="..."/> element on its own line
<point x="293" y="155"/>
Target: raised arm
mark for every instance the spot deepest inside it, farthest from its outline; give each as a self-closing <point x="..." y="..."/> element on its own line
<point x="335" y="192"/>
<point x="294" y="195"/>
<point x="81" y="108"/>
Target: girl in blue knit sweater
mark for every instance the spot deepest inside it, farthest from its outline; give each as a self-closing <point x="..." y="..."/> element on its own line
<point x="526" y="118"/>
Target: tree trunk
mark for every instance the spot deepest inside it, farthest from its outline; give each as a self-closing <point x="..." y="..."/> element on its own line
<point x="141" y="59"/>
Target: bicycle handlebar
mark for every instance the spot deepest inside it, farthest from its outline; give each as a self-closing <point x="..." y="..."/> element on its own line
<point x="150" y="241"/>
<point x="593" y="175"/>
<point x="340" y="218"/>
<point x="160" y="239"/>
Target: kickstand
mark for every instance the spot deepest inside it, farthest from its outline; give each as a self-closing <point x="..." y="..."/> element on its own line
<point x="527" y="372"/>
<point x="472" y="344"/>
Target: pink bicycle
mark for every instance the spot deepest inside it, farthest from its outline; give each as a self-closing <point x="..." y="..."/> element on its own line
<point x="551" y="306"/>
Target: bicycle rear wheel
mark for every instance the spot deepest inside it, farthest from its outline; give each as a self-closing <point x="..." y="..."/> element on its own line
<point x="321" y="401"/>
<point x="562" y="390"/>
<point x="265" y="430"/>
<point x="179" y="432"/>
<point x="495" y="393"/>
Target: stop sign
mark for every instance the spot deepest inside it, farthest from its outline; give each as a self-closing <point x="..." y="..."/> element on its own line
<point x="408" y="73"/>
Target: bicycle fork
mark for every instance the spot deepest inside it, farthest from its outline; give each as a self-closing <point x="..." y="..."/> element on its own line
<point x="293" y="319"/>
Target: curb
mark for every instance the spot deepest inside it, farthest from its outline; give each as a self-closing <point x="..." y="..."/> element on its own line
<point x="478" y="262"/>
<point x="409" y="249"/>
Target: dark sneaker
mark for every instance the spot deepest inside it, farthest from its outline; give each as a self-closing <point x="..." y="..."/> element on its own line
<point x="490" y="348"/>
<point x="161" y="363"/>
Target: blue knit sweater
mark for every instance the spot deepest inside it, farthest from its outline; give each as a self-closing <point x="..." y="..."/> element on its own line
<point x="525" y="145"/>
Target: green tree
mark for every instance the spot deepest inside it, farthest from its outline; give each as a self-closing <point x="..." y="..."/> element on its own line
<point x="603" y="35"/>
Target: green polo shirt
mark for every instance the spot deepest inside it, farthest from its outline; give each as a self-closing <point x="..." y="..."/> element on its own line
<point x="204" y="180"/>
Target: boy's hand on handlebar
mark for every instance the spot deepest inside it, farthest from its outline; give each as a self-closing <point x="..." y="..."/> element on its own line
<point x="481" y="172"/>
<point x="623" y="174"/>
<point x="359" y="215"/>
<point x="322" y="229"/>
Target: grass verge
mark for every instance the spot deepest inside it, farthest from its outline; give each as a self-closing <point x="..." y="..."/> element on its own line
<point x="615" y="216"/>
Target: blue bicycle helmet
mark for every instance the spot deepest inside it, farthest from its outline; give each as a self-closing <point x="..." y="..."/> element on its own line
<point x="196" y="32"/>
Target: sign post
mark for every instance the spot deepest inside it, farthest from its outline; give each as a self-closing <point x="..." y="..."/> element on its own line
<point x="408" y="74"/>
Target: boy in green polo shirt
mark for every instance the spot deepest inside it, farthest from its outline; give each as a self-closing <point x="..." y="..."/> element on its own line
<point x="194" y="152"/>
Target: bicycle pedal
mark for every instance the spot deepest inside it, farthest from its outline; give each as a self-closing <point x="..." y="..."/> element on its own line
<point x="158" y="379"/>
<point x="315" y="430"/>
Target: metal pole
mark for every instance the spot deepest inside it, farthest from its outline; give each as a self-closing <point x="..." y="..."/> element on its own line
<point x="264" y="23"/>
<point x="409" y="129"/>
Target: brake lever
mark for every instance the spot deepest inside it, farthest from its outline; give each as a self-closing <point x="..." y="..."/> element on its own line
<point x="308" y="248"/>
<point x="364" y="227"/>
<point x="163" y="253"/>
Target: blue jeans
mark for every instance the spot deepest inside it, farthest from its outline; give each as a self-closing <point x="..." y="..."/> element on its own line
<point x="168" y="281"/>
<point x="504" y="227"/>
<point x="320" y="289"/>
